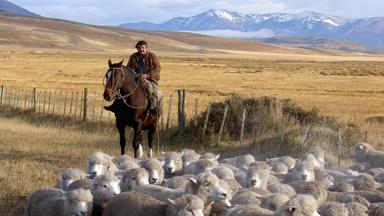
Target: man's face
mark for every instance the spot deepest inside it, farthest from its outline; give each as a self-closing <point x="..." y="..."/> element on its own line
<point x="142" y="49"/>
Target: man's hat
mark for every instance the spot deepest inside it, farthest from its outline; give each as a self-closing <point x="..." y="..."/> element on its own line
<point x="140" y="43"/>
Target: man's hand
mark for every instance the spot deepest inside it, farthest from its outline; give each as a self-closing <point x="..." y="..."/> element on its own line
<point x="144" y="76"/>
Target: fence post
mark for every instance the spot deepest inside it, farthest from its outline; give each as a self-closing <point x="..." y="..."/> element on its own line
<point x="366" y="136"/>
<point x="34" y="98"/>
<point x="183" y="115"/>
<point x="76" y="100"/>
<point x="45" y="95"/>
<point x="169" y="112"/>
<point x="54" y="102"/>
<point x="242" y="127"/>
<point x="179" y="109"/>
<point x="17" y="97"/>
<point x="206" y="121"/>
<point x="25" y="99"/>
<point x="196" y="113"/>
<point x="2" y="94"/>
<point x="70" y="105"/>
<point x="101" y="113"/>
<point x="49" y="101"/>
<point x="85" y="106"/>
<point x="222" y="123"/>
<point x="14" y="98"/>
<point x="339" y="146"/>
<point x="94" y="107"/>
<point x="65" y="102"/>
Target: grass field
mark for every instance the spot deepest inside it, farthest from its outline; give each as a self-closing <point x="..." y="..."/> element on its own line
<point x="349" y="88"/>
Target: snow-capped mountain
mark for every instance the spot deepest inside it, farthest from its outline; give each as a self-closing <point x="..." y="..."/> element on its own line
<point x="305" y="24"/>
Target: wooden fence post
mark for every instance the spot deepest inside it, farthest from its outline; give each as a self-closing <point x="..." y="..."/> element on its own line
<point x="76" y="100"/>
<point x="34" y="99"/>
<point x="17" y="97"/>
<point x="9" y="98"/>
<point x="222" y="123"/>
<point x="206" y="121"/>
<point x="49" y="101"/>
<point x="242" y="127"/>
<point x="14" y="98"/>
<point x="339" y="146"/>
<point x="169" y="112"/>
<point x="183" y="115"/>
<point x="25" y="99"/>
<point x="65" y="102"/>
<point x="70" y="105"/>
<point x="94" y="107"/>
<point x="45" y="95"/>
<point x="101" y="113"/>
<point x="366" y="136"/>
<point x="2" y="94"/>
<point x="85" y="106"/>
<point x="179" y="109"/>
<point x="54" y="102"/>
<point x="196" y="114"/>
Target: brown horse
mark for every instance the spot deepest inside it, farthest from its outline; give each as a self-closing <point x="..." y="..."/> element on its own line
<point x="132" y="105"/>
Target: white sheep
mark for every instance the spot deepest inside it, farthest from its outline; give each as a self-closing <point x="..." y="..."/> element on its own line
<point x="200" y="166"/>
<point x="223" y="172"/>
<point x="180" y="182"/>
<point x="133" y="178"/>
<point x="210" y="156"/>
<point x="333" y="209"/>
<point x="257" y="177"/>
<point x="274" y="201"/>
<point x="67" y="176"/>
<point x="364" y="152"/>
<point x="173" y="165"/>
<point x="133" y="203"/>
<point x="104" y="188"/>
<point x="301" y="171"/>
<point x="52" y="201"/>
<point x="300" y="205"/>
<point x="155" y="171"/>
<point x="189" y="156"/>
<point x="99" y="164"/>
<point x="287" y="160"/>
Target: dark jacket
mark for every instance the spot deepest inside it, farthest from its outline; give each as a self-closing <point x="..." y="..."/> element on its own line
<point x="151" y="62"/>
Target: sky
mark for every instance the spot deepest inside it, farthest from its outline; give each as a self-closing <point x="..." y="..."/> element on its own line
<point x="107" y="12"/>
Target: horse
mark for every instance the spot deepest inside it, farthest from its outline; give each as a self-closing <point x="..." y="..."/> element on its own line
<point x="132" y="106"/>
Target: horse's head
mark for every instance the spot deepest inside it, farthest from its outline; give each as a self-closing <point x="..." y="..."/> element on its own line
<point x="113" y="80"/>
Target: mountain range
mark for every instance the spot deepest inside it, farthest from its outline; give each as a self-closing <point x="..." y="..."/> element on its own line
<point x="10" y="8"/>
<point x="369" y="31"/>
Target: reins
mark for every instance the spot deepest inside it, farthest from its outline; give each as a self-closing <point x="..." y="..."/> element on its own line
<point x="117" y="93"/>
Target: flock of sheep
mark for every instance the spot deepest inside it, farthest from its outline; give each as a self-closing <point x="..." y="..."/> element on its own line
<point x="187" y="183"/>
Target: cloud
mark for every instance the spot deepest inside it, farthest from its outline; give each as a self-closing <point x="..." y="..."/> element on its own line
<point x="263" y="33"/>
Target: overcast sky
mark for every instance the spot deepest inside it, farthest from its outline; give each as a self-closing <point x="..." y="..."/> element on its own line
<point x="107" y="12"/>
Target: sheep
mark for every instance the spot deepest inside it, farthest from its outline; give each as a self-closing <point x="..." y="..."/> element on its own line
<point x="303" y="205"/>
<point x="188" y="157"/>
<point x="311" y="160"/>
<point x="375" y="171"/>
<point x="360" y="167"/>
<point x="371" y="196"/>
<point x="312" y="188"/>
<point x="287" y="160"/>
<point x="302" y="171"/>
<point x="376" y="209"/>
<point x="81" y="183"/>
<point x="274" y="186"/>
<point x="356" y="209"/>
<point x="257" y="177"/>
<point x="247" y="210"/>
<point x="342" y="187"/>
<point x="233" y="185"/>
<point x="180" y="182"/>
<point x="333" y="209"/>
<point x="104" y="188"/>
<point x="365" y="182"/>
<point x="155" y="171"/>
<point x="100" y="164"/>
<point x="53" y="201"/>
<point x="210" y="156"/>
<point x="379" y="178"/>
<point x="134" y="177"/>
<point x="173" y="165"/>
<point x="133" y="203"/>
<point x="364" y="152"/>
<point x="274" y="201"/>
<point x="246" y="197"/>
<point x="347" y="198"/>
<point x="200" y="166"/>
<point x="280" y="168"/>
<point x="127" y="165"/>
<point x="121" y="159"/>
<point x="67" y="176"/>
<point x="223" y="172"/>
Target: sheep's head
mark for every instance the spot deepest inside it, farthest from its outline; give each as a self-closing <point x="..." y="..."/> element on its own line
<point x="274" y="201"/>
<point x="99" y="164"/>
<point x="67" y="176"/>
<point x="155" y="171"/>
<point x="78" y="202"/>
<point x="303" y="171"/>
<point x="280" y="168"/>
<point x="257" y="177"/>
<point x="209" y="187"/>
<point x="134" y="178"/>
<point x="298" y="206"/>
<point x="187" y="205"/>
<point x="223" y="172"/>
<point x="360" y="150"/>
<point x="189" y="157"/>
<point x="244" y="160"/>
<point x="104" y="188"/>
<point x="312" y="160"/>
<point x="173" y="163"/>
<point x="210" y="156"/>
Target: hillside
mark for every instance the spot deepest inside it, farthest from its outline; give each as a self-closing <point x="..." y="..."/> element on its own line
<point x="38" y="33"/>
<point x="10" y="8"/>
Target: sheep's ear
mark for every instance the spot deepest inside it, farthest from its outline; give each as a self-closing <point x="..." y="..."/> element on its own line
<point x="217" y="157"/>
<point x="360" y="147"/>
<point x="195" y="185"/>
<point x="109" y="63"/>
<point x="173" y="202"/>
<point x="292" y="209"/>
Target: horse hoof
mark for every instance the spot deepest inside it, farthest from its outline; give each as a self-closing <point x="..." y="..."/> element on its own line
<point x="150" y="153"/>
<point x="141" y="151"/>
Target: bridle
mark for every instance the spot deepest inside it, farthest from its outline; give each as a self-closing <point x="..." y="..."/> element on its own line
<point x="116" y="91"/>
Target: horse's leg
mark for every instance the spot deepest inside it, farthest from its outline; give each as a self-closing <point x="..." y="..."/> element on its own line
<point x="137" y="137"/>
<point x="151" y="133"/>
<point x="121" y="128"/>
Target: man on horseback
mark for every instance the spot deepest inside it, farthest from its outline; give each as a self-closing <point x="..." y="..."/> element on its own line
<point x="147" y="66"/>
